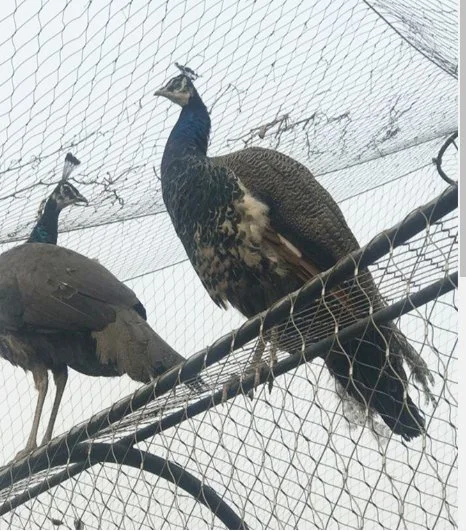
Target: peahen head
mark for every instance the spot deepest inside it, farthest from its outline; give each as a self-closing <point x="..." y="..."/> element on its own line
<point x="179" y="89"/>
<point x="190" y="136"/>
<point x="65" y="194"/>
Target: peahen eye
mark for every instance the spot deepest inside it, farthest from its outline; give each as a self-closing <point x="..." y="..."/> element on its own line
<point x="68" y="190"/>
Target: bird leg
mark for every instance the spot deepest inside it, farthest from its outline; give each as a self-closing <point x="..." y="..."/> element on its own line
<point x="41" y="381"/>
<point x="273" y="358"/>
<point x="60" y="378"/>
<point x="257" y="364"/>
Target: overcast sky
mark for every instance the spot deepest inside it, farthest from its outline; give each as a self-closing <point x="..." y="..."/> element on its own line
<point x="364" y="111"/>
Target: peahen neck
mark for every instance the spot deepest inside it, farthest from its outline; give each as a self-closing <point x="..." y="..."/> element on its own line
<point x="190" y="135"/>
<point x="46" y="229"/>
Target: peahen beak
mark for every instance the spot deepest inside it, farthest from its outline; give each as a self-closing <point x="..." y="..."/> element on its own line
<point x="178" y="97"/>
<point x="162" y="92"/>
<point x="81" y="200"/>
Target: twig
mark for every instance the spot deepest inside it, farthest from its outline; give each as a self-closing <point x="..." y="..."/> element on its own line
<point x="285" y="125"/>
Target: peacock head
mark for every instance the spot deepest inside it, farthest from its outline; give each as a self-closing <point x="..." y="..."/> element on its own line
<point x="65" y="194"/>
<point x="179" y="89"/>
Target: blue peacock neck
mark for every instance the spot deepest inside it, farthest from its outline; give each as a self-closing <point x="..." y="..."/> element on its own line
<point x="190" y="135"/>
<point x="46" y="229"/>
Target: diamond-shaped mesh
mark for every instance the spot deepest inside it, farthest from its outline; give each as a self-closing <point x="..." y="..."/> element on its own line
<point x="363" y="94"/>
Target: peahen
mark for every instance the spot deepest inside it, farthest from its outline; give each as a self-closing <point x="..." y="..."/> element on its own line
<point x="256" y="226"/>
<point x="59" y="309"/>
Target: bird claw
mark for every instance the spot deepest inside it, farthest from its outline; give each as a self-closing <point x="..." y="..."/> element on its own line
<point x="273" y="362"/>
<point x="233" y="380"/>
<point x="257" y="370"/>
<point x="257" y="376"/>
<point x="25" y="452"/>
<point x="259" y="367"/>
<point x="225" y="389"/>
<point x="257" y="380"/>
<point x="256" y="366"/>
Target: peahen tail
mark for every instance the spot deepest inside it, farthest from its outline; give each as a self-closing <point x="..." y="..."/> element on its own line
<point x="377" y="381"/>
<point x="131" y="346"/>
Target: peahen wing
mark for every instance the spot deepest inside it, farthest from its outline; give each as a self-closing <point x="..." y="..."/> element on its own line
<point x="56" y="288"/>
<point x="300" y="209"/>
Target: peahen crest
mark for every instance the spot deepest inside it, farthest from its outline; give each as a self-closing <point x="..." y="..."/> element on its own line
<point x="188" y="72"/>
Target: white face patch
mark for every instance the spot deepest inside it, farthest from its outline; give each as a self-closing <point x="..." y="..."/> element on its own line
<point x="183" y="85"/>
<point x="178" y="90"/>
<point x="66" y="194"/>
<point x="181" y="98"/>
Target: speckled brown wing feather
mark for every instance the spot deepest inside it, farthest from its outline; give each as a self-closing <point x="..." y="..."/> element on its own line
<point x="311" y="235"/>
<point x="303" y="268"/>
<point x="316" y="227"/>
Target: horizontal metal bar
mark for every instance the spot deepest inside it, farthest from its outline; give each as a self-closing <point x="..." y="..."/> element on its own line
<point x="384" y="315"/>
<point x="44" y="485"/>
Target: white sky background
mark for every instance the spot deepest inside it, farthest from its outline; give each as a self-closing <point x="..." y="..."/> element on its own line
<point x="81" y="78"/>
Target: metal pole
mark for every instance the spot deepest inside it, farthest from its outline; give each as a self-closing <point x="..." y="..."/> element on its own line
<point x="88" y="454"/>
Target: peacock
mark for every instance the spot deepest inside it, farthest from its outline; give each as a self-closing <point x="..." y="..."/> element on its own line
<point x="60" y="309"/>
<point x="256" y="225"/>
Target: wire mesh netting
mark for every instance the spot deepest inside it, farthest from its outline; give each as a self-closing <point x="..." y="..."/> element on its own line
<point x="363" y="94"/>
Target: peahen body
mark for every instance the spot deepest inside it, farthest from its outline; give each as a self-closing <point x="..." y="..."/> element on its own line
<point x="59" y="309"/>
<point x="256" y="226"/>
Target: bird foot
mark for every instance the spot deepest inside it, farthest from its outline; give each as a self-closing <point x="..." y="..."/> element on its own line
<point x="25" y="452"/>
<point x="226" y="387"/>
<point x="257" y="369"/>
<point x="258" y="364"/>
